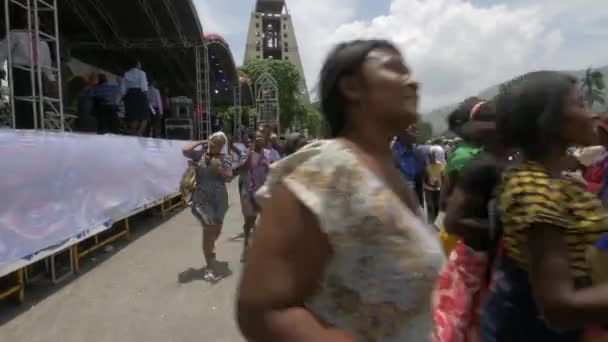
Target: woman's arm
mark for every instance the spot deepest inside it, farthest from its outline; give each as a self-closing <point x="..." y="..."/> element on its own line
<point x="282" y="271"/>
<point x="448" y="183"/>
<point x="563" y="306"/>
<point x="247" y="164"/>
<point x="225" y="169"/>
<point x="189" y="150"/>
<point x="458" y="220"/>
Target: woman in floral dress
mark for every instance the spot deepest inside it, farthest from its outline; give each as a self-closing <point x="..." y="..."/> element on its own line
<point x="210" y="198"/>
<point x="339" y="253"/>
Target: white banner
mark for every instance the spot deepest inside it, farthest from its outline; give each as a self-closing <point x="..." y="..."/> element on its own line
<point x="56" y="186"/>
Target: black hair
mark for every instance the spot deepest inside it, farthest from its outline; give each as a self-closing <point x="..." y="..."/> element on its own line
<point x="102" y="78"/>
<point x="293" y="142"/>
<point x="344" y="60"/>
<point x="132" y="62"/>
<point x="530" y="110"/>
<point x="461" y="116"/>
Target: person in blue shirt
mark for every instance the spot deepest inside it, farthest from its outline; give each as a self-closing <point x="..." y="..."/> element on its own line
<point x="410" y="161"/>
<point x="105" y="98"/>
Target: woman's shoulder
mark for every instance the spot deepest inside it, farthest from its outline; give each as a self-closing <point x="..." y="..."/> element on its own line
<point x="530" y="179"/>
<point x="319" y="173"/>
<point x="320" y="157"/>
<point x="528" y="192"/>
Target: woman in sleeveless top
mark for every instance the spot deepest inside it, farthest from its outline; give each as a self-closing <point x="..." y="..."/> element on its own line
<point x="339" y="253"/>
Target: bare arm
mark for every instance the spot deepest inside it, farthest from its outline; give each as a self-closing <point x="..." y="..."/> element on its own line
<point x="225" y="168"/>
<point x="283" y="269"/>
<point x="461" y="203"/>
<point x="448" y="183"/>
<point x="563" y="306"/>
<point x="189" y="150"/>
<point x="247" y="165"/>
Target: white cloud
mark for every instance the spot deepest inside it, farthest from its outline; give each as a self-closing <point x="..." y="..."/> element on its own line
<point x="457" y="49"/>
<point x="314" y="22"/>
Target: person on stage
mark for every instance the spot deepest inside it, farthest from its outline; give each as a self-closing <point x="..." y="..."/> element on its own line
<point x="156" y="107"/>
<point x="210" y="198"/>
<point x="105" y="98"/>
<point x="20" y="51"/>
<point x="135" y="92"/>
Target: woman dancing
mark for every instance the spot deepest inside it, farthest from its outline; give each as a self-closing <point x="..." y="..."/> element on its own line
<point x="210" y="199"/>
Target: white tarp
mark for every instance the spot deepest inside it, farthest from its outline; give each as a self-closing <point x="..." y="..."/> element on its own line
<point x="56" y="186"/>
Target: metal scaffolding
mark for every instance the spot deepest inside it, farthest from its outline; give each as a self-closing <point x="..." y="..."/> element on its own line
<point x="267" y="100"/>
<point x="238" y="105"/>
<point x="47" y="109"/>
<point x="205" y="101"/>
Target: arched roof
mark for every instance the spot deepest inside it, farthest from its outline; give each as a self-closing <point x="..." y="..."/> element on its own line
<point x="111" y="33"/>
<point x="223" y="76"/>
<point x="161" y="34"/>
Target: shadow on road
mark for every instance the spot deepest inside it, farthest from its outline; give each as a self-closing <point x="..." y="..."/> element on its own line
<point x="39" y="290"/>
<point x="222" y="270"/>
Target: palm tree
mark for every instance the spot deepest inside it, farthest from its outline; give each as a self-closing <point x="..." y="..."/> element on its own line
<point x="592" y="86"/>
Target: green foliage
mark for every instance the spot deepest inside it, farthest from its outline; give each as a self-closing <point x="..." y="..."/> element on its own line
<point x="312" y="121"/>
<point x="593" y="86"/>
<point x="288" y="80"/>
<point x="228" y="116"/>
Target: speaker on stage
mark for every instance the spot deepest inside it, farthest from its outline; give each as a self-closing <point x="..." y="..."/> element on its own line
<point x="179" y="129"/>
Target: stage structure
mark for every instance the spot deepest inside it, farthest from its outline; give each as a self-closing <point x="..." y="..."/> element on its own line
<point x="226" y="88"/>
<point x="243" y="96"/>
<point x="41" y="220"/>
<point x="47" y="107"/>
<point x="267" y="100"/>
<point x="272" y="36"/>
<point x="165" y="35"/>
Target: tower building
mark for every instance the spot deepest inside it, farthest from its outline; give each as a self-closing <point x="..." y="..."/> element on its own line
<point x="271" y="35"/>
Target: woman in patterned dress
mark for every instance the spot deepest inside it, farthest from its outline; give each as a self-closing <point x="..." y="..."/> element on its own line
<point x="254" y="173"/>
<point x="339" y="253"/>
<point x="543" y="289"/>
<point x="210" y="198"/>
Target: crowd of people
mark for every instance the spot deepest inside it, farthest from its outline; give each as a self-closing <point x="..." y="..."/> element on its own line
<point x="218" y="162"/>
<point x="344" y="252"/>
<point x="133" y="106"/>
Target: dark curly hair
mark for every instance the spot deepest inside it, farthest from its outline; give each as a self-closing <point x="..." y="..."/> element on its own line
<point x="530" y="110"/>
<point x="459" y="120"/>
<point x="344" y="60"/>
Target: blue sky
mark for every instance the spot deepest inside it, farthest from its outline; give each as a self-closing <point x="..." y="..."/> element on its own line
<point x="455" y="47"/>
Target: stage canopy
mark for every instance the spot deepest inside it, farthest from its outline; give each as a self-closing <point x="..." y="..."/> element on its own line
<point x="224" y="76"/>
<point x="161" y="34"/>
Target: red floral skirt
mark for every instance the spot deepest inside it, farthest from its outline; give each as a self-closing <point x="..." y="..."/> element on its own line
<point x="457" y="298"/>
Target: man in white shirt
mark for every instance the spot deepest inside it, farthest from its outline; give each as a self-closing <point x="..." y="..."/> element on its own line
<point x="20" y="51"/>
<point x="156" y="106"/>
<point x="135" y="92"/>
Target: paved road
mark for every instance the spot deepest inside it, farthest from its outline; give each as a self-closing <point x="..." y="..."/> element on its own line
<point x="133" y="294"/>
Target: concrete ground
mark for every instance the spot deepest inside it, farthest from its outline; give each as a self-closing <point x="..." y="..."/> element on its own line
<point x="132" y="294"/>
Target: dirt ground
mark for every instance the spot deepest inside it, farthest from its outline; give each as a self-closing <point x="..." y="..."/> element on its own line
<point x="132" y="294"/>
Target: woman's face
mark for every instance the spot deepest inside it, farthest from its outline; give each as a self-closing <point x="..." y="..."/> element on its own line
<point x="216" y="144"/>
<point x="579" y="125"/>
<point x="260" y="140"/>
<point x="389" y="88"/>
